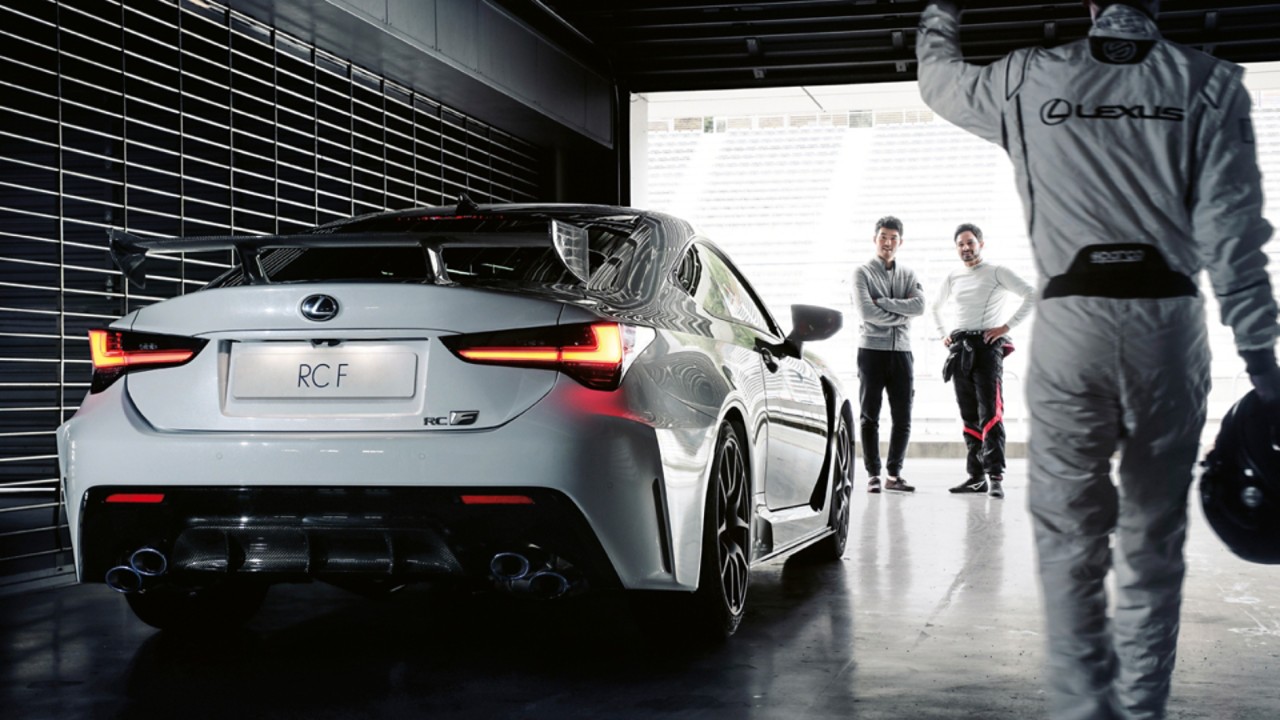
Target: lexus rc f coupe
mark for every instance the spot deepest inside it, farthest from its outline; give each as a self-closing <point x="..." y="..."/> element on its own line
<point x="535" y="399"/>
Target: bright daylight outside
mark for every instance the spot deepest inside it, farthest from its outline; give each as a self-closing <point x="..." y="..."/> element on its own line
<point x="790" y="182"/>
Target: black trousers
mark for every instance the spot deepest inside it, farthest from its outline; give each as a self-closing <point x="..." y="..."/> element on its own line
<point x="881" y="371"/>
<point x="978" y="382"/>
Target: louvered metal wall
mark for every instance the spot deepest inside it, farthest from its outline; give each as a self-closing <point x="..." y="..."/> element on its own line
<point x="177" y="118"/>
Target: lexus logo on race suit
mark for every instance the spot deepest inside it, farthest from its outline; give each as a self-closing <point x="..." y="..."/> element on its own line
<point x="1120" y="51"/>
<point x="319" y="308"/>
<point x="1055" y="112"/>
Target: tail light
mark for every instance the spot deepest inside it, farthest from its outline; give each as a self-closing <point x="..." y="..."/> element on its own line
<point x="116" y="352"/>
<point x="595" y="354"/>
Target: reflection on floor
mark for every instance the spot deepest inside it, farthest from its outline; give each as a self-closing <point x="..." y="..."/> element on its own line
<point x="933" y="613"/>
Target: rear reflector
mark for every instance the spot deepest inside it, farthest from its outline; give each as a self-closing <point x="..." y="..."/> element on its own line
<point x="496" y="500"/>
<point x="136" y="498"/>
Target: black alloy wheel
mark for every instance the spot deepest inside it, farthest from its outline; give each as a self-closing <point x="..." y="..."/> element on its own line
<point x="832" y="547"/>
<point x="726" y="538"/>
<point x="713" y="612"/>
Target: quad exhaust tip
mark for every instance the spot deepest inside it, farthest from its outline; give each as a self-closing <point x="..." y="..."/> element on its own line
<point x="145" y="562"/>
<point x="124" y="579"/>
<point x="516" y="573"/>
<point x="149" y="562"/>
<point x="509" y="566"/>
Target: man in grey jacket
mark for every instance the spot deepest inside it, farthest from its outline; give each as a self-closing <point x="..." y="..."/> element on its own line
<point x="887" y="296"/>
<point x="1135" y="160"/>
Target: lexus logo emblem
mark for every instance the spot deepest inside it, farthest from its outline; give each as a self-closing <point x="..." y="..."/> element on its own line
<point x="319" y="308"/>
<point x="1055" y="112"/>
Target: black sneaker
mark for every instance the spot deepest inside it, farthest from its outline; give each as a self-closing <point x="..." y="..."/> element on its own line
<point x="899" y="485"/>
<point x="997" y="488"/>
<point x="873" y="485"/>
<point x="972" y="485"/>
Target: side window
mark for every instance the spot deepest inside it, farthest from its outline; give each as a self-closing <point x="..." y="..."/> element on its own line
<point x="722" y="293"/>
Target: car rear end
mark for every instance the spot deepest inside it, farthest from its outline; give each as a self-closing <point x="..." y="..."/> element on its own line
<point x="360" y="422"/>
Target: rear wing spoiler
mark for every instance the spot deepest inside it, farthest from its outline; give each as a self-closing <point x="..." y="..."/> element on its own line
<point x="129" y="251"/>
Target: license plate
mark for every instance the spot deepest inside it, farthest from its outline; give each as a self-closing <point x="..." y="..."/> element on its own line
<point x="263" y="373"/>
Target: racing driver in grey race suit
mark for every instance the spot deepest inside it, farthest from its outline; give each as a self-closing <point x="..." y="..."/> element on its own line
<point x="1135" y="161"/>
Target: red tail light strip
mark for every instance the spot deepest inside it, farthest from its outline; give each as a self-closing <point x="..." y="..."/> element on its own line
<point x="547" y="355"/>
<point x="606" y="351"/>
<point x="595" y="354"/>
<point x="496" y="500"/>
<point x="136" y="498"/>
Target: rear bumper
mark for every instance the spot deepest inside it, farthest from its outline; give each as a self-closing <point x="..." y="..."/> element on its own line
<point x="299" y="533"/>
<point x="627" y="495"/>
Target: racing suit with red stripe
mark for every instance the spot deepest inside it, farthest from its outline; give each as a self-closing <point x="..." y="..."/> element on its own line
<point x="1135" y="161"/>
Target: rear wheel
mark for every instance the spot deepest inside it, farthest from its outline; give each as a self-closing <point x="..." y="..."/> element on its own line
<point x="210" y="609"/>
<point x="714" y="611"/>
<point x="832" y="547"/>
<point x="726" y="539"/>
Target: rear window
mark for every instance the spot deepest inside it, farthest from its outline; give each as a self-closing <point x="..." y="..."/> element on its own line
<point x="619" y="260"/>
<point x="611" y="259"/>
<point x="384" y="264"/>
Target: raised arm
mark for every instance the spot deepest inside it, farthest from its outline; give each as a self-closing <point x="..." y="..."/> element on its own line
<point x="969" y="96"/>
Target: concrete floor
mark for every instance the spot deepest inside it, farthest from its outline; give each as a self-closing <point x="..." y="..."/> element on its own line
<point x="933" y="613"/>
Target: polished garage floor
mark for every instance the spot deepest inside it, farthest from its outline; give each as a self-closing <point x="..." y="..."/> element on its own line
<point x="933" y="613"/>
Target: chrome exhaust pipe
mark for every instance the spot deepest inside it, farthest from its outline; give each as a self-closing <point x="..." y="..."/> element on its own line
<point x="543" y="576"/>
<point x="509" y="566"/>
<point x="124" y="579"/>
<point x="547" y="584"/>
<point x="148" y="562"/>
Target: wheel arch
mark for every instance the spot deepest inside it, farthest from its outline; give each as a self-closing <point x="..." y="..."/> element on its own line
<point x="838" y="407"/>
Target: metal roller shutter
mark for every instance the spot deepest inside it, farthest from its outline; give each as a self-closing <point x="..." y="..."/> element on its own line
<point x="177" y="117"/>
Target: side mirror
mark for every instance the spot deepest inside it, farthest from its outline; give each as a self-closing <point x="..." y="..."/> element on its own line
<point x="813" y="322"/>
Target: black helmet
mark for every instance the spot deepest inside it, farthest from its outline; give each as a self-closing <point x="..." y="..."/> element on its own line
<point x="1240" y="487"/>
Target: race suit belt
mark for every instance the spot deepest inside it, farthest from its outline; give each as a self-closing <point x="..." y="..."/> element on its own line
<point x="965" y="344"/>
<point x="1125" y="270"/>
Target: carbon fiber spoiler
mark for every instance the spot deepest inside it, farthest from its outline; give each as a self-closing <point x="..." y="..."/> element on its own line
<point x="129" y="251"/>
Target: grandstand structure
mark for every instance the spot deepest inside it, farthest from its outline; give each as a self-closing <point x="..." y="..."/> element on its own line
<point x="793" y="195"/>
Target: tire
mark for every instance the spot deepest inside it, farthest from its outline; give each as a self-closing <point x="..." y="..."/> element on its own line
<point x="721" y="597"/>
<point x="833" y="546"/>
<point x="713" y="612"/>
<point x="211" y="609"/>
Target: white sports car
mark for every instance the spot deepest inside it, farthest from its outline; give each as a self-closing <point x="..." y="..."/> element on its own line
<point x="542" y="399"/>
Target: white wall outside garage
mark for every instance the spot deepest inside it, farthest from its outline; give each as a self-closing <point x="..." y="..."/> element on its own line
<point x="791" y="182"/>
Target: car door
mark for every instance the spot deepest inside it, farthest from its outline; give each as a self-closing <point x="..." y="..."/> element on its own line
<point x="795" y="441"/>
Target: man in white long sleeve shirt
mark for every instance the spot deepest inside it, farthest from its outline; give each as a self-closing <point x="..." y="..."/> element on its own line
<point x="979" y="342"/>
<point x="1137" y="167"/>
<point x="887" y="295"/>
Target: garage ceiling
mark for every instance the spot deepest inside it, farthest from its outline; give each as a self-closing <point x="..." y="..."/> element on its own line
<point x="669" y="45"/>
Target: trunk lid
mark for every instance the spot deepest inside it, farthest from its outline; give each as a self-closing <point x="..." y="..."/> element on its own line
<point x="377" y="365"/>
